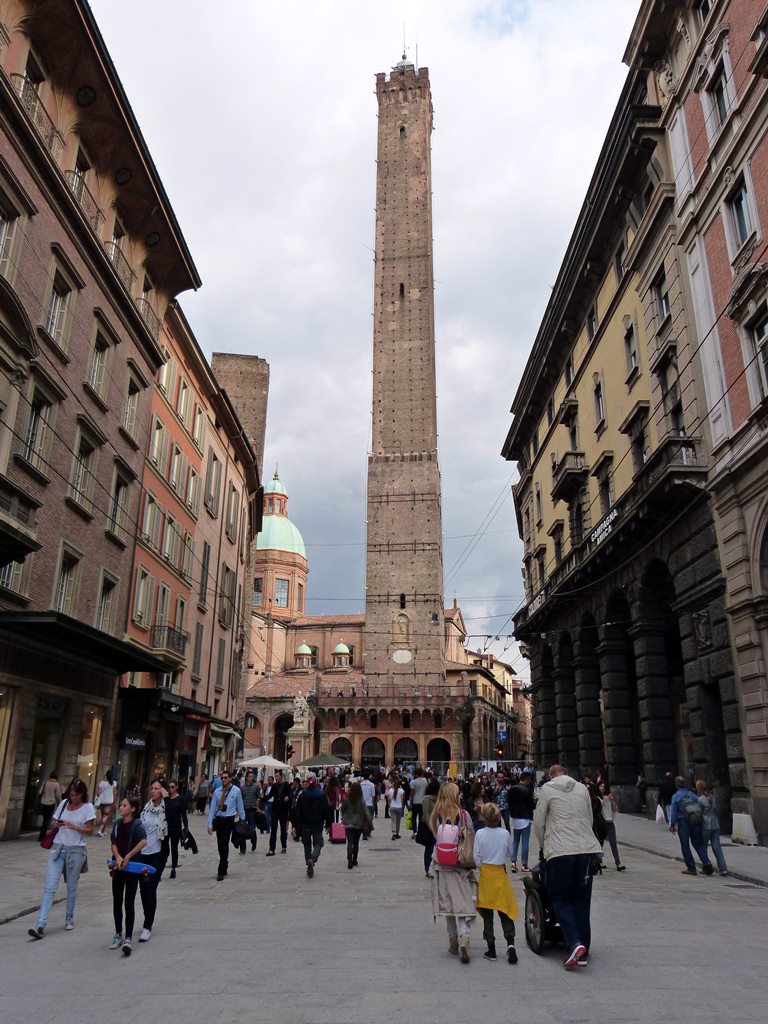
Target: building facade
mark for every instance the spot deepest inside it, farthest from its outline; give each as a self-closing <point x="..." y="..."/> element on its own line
<point x="90" y="255"/>
<point x="191" y="577"/>
<point x="709" y="62"/>
<point x="624" y="619"/>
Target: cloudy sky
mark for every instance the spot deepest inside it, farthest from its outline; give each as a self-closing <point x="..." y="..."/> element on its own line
<point x="261" y="118"/>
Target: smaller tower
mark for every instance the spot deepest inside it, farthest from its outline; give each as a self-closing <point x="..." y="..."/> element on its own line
<point x="280" y="566"/>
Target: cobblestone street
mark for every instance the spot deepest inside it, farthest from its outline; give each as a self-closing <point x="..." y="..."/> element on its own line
<point x="361" y="946"/>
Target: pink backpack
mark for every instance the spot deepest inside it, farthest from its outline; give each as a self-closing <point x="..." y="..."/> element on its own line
<point x="447" y="843"/>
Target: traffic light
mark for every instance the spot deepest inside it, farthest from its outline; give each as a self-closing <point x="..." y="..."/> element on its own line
<point x="499" y="751"/>
<point x="289" y="752"/>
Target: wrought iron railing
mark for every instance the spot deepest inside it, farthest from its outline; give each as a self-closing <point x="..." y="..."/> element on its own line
<point x="394" y="694"/>
<point x="168" y="638"/>
<point x="150" y="317"/>
<point x="120" y="263"/>
<point x="84" y="196"/>
<point x="39" y="116"/>
<point x="15" y="507"/>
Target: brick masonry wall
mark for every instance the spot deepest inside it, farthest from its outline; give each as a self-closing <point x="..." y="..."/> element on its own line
<point x="246" y="381"/>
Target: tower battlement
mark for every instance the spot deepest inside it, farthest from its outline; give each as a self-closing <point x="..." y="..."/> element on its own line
<point x="401" y="72"/>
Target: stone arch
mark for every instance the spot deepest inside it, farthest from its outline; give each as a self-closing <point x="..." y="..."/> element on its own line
<point x="280" y="728"/>
<point x="372" y="752"/>
<point x="439" y="754"/>
<point x="406" y="749"/>
<point x="342" y="747"/>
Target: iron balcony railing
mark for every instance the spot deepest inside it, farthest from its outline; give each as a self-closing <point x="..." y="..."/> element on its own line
<point x="120" y="263"/>
<point x="84" y="196"/>
<point x="168" y="638"/>
<point x="15" y="507"/>
<point x="39" y="116"/>
<point x="567" y="474"/>
<point x="150" y="317"/>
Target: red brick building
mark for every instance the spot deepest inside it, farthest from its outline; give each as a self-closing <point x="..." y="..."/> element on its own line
<point x="90" y="256"/>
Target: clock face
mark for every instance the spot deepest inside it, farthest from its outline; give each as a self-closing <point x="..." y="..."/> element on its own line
<point x="401" y="657"/>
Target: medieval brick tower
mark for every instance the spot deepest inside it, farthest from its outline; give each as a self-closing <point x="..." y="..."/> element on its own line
<point x="404" y="640"/>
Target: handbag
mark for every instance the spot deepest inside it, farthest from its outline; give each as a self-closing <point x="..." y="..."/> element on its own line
<point x="47" y="841"/>
<point x="242" y="829"/>
<point x="466" y="844"/>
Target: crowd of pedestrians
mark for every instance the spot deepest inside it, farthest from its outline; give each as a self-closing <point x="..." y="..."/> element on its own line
<point x="475" y="833"/>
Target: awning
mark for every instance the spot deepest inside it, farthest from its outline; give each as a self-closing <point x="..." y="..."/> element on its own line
<point x="166" y="701"/>
<point x="56" y="633"/>
<point x="223" y="730"/>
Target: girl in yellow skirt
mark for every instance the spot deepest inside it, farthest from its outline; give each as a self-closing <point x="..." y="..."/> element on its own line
<point x="493" y="848"/>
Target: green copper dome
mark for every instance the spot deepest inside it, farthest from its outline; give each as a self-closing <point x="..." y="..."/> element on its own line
<point x="302" y="649"/>
<point x="279" y="534"/>
<point x="275" y="486"/>
<point x="341" y="648"/>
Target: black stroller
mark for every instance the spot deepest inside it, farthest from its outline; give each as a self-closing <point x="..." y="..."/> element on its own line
<point x="541" y="924"/>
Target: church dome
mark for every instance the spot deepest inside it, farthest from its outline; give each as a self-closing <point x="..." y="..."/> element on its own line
<point x="279" y="534"/>
<point x="275" y="486"/>
<point x="302" y="650"/>
<point x="341" y="648"/>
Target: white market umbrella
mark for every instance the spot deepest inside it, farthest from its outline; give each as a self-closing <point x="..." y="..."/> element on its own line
<point x="265" y="761"/>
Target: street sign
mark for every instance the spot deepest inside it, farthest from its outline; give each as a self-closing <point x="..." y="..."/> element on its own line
<point x="502" y="735"/>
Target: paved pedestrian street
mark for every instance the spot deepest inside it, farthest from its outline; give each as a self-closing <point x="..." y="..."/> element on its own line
<point x="269" y="944"/>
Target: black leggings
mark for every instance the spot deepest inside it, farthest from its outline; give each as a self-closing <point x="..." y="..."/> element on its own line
<point x="148" y="890"/>
<point x="353" y="844"/>
<point x="124" y="885"/>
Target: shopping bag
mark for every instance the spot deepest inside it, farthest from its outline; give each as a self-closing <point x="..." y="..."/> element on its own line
<point x="660" y="818"/>
<point x="409" y="820"/>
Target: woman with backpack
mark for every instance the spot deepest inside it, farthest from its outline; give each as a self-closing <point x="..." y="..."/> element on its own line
<point x="710" y="826"/>
<point x="357" y="821"/>
<point x="454" y="886"/>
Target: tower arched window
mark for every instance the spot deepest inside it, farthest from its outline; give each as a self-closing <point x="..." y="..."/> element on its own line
<point x="342" y="720"/>
<point x="402" y="131"/>
<point x="438" y="720"/>
<point x="373" y="720"/>
<point x="406" y="719"/>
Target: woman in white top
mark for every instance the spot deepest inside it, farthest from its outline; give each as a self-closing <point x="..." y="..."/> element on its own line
<point x="105" y="799"/>
<point x="156" y="827"/>
<point x="72" y="821"/>
<point x="608" y="811"/>
<point x="396" y="806"/>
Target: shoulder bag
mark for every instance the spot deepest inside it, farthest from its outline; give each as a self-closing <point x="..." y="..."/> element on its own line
<point x="47" y="841"/>
<point x="466" y="844"/>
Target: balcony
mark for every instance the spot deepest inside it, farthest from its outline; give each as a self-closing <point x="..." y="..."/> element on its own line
<point x="18" y="526"/>
<point x="673" y="464"/>
<point x="88" y="204"/>
<point x="120" y="263"/>
<point x="150" y="317"/>
<point x="568" y="475"/>
<point x="169" y="641"/>
<point x="38" y="115"/>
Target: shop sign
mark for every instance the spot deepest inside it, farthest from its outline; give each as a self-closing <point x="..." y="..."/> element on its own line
<point x="603" y="528"/>
<point x="135" y="741"/>
<point x="217" y="742"/>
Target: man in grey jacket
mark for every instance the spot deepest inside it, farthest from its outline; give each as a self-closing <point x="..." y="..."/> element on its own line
<point x="563" y="825"/>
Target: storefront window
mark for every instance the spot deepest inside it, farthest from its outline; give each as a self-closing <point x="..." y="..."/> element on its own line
<point x="88" y="758"/>
<point x="46" y="743"/>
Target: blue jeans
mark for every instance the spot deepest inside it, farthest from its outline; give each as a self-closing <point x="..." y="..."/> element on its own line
<point x="60" y="857"/>
<point x="569" y="884"/>
<point x="691" y="837"/>
<point x="713" y="837"/>
<point x="525" y="835"/>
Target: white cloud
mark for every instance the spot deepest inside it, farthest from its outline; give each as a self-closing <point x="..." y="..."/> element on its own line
<point x="262" y="121"/>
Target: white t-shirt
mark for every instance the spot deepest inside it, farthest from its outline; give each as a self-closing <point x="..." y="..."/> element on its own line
<point x="369" y="792"/>
<point x="396" y="799"/>
<point x="492" y="846"/>
<point x="80" y="816"/>
<point x="106" y="794"/>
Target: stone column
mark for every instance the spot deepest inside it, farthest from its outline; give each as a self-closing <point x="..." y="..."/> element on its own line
<point x="565" y="709"/>
<point x="653" y="699"/>
<point x="544" y="708"/>
<point x="617" y="707"/>
<point x="590" y="725"/>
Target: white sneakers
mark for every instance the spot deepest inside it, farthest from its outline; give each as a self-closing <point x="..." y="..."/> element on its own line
<point x="146" y="935"/>
<point x="69" y="926"/>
